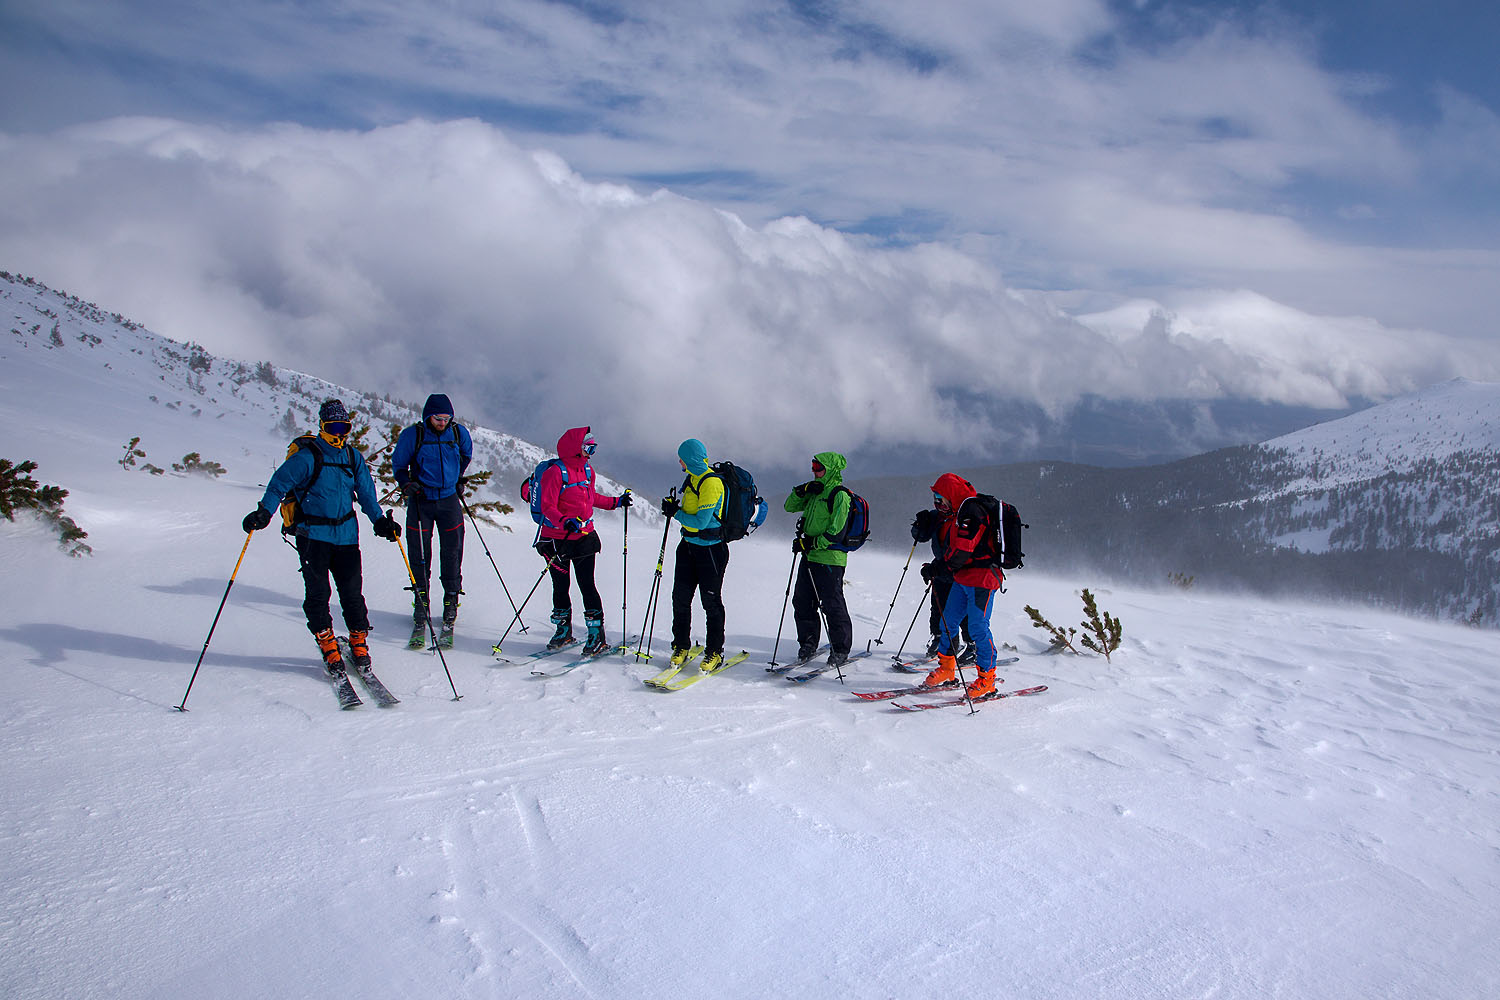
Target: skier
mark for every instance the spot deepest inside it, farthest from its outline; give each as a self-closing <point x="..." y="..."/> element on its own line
<point x="968" y="553"/>
<point x="429" y="460"/>
<point x="702" y="556"/>
<point x="567" y="536"/>
<point x="326" y="475"/>
<point x="928" y="526"/>
<point x="820" y="579"/>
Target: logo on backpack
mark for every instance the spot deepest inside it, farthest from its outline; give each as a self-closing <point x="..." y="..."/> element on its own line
<point x="856" y="530"/>
<point x="744" y="510"/>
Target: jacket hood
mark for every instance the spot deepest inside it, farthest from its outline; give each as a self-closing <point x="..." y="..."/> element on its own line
<point x="833" y="465"/>
<point x="437" y="403"/>
<point x="694" y="455"/>
<point x="570" y="445"/>
<point x="955" y="489"/>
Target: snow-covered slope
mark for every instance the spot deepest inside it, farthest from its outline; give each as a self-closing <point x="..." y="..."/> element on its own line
<point x="1251" y="800"/>
<point x="1426" y="426"/>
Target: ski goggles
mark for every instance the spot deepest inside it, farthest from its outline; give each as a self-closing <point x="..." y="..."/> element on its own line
<point x="441" y="418"/>
<point x="338" y="428"/>
<point x="939" y="501"/>
<point x="589" y="447"/>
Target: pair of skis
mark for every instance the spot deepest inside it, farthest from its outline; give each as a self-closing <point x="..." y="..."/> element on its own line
<point x="343" y="687"/>
<point x="684" y="675"/>
<point x="419" y="636"/>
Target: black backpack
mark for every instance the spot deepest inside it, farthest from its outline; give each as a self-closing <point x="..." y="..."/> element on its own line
<point x="1002" y="530"/>
<point x="742" y="505"/>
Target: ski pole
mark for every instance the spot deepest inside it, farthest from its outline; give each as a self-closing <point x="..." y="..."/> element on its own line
<point x="920" y="605"/>
<point x="222" y="601"/>
<point x="897" y="594"/>
<point x="625" y="578"/>
<point x="479" y="535"/>
<point x="782" y="624"/>
<point x="427" y="613"/>
<point x="648" y="624"/>
<point x="517" y="617"/>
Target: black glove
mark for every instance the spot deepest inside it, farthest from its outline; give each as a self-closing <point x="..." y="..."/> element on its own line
<point x="670" y="506"/>
<point x="801" y="543"/>
<point x="387" y="528"/>
<point x="573" y="526"/>
<point x="929" y="570"/>
<point x="625" y="499"/>
<point x="809" y="489"/>
<point x="923" y="525"/>
<point x="256" y="519"/>
<point x="411" y="489"/>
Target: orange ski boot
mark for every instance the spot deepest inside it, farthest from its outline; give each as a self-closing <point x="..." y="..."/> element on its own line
<point x="943" y="673"/>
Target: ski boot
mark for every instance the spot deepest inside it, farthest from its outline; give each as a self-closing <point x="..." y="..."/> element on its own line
<point x="943" y="673"/>
<point x="359" y="646"/>
<point x="712" y="661"/>
<point x="563" y="619"/>
<point x="450" y="609"/>
<point x="680" y="655"/>
<point x="328" y="645"/>
<point x="982" y="685"/>
<point x="595" y="643"/>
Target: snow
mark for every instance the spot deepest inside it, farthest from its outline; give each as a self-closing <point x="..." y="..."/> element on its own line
<point x="1251" y="800"/>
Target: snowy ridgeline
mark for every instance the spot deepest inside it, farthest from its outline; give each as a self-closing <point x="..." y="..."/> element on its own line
<point x="63" y="340"/>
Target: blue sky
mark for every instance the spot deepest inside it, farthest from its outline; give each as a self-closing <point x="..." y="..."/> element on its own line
<point x="1141" y="181"/>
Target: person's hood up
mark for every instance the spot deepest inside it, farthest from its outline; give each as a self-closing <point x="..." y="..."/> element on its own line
<point x="833" y="465"/>
<point x="694" y="455"/>
<point x="955" y="489"/>
<point x="437" y="403"/>
<point x="570" y="445"/>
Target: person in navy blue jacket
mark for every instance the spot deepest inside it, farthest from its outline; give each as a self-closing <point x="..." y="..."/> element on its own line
<point x="430" y="458"/>
<point x="327" y="475"/>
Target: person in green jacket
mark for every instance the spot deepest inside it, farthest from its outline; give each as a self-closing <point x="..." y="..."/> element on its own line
<point x="824" y="504"/>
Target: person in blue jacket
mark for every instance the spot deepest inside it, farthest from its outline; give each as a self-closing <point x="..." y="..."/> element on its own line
<point x="429" y="459"/>
<point x="327" y="475"/>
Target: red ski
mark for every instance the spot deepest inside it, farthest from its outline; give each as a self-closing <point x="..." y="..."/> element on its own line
<point x="918" y="706"/>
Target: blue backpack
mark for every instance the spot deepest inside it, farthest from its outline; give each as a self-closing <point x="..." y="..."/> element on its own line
<point x="531" y="488"/>
<point x="856" y="529"/>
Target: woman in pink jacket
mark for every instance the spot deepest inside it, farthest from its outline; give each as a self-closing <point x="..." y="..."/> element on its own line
<point x="567" y="536"/>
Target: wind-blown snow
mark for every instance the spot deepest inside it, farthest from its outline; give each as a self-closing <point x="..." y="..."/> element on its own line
<point x="1252" y="800"/>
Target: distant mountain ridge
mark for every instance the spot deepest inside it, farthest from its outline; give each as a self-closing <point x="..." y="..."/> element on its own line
<point x="1396" y="505"/>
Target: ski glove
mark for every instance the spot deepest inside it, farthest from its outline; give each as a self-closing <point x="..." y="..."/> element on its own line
<point x="929" y="570"/>
<point x="670" y="506"/>
<point x="256" y="519"/>
<point x="625" y="499"/>
<point x="809" y="489"/>
<point x="573" y="526"/>
<point x="923" y="525"/>
<point x="387" y="528"/>
<point x="411" y="489"/>
<point x="801" y="544"/>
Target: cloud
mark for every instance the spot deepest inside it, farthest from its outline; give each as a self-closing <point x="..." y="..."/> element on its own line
<point x="443" y="257"/>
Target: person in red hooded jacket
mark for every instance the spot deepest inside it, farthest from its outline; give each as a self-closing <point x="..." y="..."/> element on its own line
<point x="567" y="536"/>
<point x="970" y="556"/>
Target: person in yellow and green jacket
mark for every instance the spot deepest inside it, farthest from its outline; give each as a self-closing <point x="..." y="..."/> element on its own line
<point x="820" y="579"/>
<point x="702" y="556"/>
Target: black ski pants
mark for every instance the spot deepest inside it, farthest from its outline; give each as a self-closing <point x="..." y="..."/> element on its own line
<point x="700" y="568"/>
<point x="319" y="559"/>
<point x="446" y="517"/>
<point x="821" y="585"/>
<point x="579" y="553"/>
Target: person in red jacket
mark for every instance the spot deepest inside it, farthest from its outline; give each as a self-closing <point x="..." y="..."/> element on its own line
<point x="567" y="536"/>
<point x="970" y="555"/>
